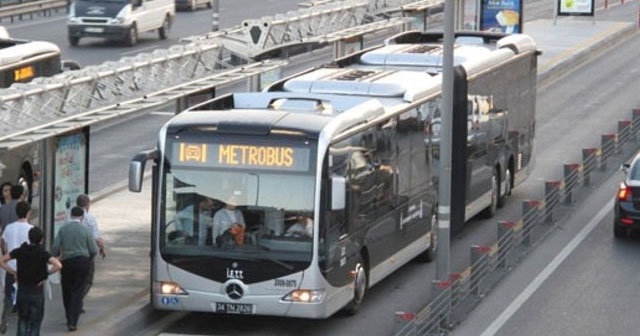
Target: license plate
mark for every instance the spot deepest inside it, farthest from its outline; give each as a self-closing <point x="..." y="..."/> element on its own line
<point x="234" y="308"/>
<point x="94" y="30"/>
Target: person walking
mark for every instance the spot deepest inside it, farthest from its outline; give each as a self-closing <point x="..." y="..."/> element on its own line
<point x="83" y="201"/>
<point x="32" y="271"/>
<point x="14" y="235"/>
<point x="76" y="246"/>
<point x="8" y="210"/>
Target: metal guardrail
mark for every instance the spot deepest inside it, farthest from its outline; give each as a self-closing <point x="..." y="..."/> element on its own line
<point x="311" y="23"/>
<point x="33" y="7"/>
<point x="455" y="298"/>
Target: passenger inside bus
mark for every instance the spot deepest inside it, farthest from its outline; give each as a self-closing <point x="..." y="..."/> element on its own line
<point x="228" y="224"/>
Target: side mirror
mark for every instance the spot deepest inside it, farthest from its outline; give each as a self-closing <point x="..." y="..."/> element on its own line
<point x="136" y="168"/>
<point x="338" y="193"/>
<point x="625" y="167"/>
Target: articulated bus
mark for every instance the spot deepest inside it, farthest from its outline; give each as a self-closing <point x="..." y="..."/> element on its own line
<point x="348" y="150"/>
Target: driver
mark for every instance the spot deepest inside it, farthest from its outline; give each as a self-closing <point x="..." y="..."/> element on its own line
<point x="303" y="226"/>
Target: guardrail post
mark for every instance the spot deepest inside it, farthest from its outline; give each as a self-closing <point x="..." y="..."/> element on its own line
<point x="588" y="164"/>
<point x="479" y="266"/>
<point x="570" y="179"/>
<point x="624" y="128"/>
<point x="607" y="147"/>
<point x="635" y="122"/>
<point x="506" y="233"/>
<point x="401" y="322"/>
<point x="551" y="199"/>
<point x="443" y="291"/>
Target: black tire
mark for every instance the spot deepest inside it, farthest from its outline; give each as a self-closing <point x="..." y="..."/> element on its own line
<point x="492" y="208"/>
<point x="502" y="199"/>
<point x="74" y="40"/>
<point x="360" y="284"/>
<point x="163" y="32"/>
<point x="619" y="232"/>
<point x="429" y="254"/>
<point x="132" y="37"/>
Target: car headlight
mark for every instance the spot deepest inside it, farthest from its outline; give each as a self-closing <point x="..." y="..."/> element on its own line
<point x="116" y="20"/>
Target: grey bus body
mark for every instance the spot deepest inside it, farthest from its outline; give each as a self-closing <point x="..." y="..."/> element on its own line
<point x="351" y="147"/>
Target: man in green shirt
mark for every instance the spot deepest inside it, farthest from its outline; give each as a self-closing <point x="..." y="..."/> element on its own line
<point x="75" y="246"/>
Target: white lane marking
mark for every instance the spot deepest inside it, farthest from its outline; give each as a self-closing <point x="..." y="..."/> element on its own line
<point x="162" y="113"/>
<point x="551" y="267"/>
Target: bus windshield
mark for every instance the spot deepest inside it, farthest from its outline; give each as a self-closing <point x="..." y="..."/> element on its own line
<point x="230" y="210"/>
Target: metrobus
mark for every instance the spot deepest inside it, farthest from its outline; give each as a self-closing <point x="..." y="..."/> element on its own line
<point x="355" y="148"/>
<point x="22" y="60"/>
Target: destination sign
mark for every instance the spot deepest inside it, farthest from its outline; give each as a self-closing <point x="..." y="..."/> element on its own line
<point x="278" y="157"/>
<point x="23" y="74"/>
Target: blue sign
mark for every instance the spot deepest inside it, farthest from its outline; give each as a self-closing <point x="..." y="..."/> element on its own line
<point x="170" y="301"/>
<point x="501" y="16"/>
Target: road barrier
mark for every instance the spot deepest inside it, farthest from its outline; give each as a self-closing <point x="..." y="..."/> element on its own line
<point x="452" y="300"/>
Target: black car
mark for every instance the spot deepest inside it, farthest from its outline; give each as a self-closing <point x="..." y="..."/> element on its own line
<point x="627" y="201"/>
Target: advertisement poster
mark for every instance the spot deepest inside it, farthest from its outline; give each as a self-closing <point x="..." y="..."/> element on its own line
<point x="575" y="7"/>
<point x="501" y="16"/>
<point x="70" y="175"/>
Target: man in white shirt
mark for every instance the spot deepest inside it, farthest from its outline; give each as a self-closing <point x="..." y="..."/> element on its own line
<point x="83" y="201"/>
<point x="196" y="230"/>
<point x="14" y="235"/>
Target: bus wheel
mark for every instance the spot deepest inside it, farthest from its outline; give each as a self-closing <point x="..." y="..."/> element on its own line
<point x="132" y="36"/>
<point x="502" y="199"/>
<point x="359" y="288"/>
<point x="163" y="32"/>
<point x="430" y="254"/>
<point x="491" y="209"/>
<point x="73" y="40"/>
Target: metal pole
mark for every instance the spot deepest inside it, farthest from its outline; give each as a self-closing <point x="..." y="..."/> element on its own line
<point x="215" y="23"/>
<point x="444" y="208"/>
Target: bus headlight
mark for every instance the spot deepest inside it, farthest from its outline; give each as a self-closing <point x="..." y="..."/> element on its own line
<point x="304" y="296"/>
<point x="169" y="288"/>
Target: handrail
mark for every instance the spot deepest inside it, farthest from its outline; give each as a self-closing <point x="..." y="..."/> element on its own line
<point x="31" y="7"/>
